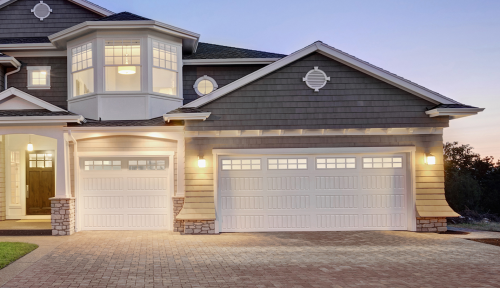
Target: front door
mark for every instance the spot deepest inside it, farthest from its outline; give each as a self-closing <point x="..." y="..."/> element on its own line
<point x="40" y="178"/>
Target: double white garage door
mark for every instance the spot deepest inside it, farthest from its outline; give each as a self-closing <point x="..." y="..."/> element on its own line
<point x="312" y="193"/>
<point x="124" y="194"/>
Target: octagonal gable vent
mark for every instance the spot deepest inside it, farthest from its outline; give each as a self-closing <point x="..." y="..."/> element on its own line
<point x="41" y="10"/>
<point x="316" y="79"/>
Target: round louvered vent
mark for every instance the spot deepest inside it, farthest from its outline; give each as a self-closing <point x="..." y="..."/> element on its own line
<point x="41" y="10"/>
<point x="316" y="79"/>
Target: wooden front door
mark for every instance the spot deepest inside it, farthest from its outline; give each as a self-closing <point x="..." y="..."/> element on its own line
<point x="40" y="180"/>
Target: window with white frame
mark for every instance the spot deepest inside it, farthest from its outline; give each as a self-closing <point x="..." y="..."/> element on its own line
<point x="383" y="162"/>
<point x="205" y="85"/>
<point x="287" y="164"/>
<point x="146" y="165"/>
<point x="335" y="163"/>
<point x="38" y="77"/>
<point x="164" y="68"/>
<point x="122" y="65"/>
<point x="15" y="178"/>
<point x="103" y="165"/>
<point x="241" y="164"/>
<point x="82" y="70"/>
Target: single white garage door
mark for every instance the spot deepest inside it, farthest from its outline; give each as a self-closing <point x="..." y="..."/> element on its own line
<point x="312" y="193"/>
<point x="124" y="194"/>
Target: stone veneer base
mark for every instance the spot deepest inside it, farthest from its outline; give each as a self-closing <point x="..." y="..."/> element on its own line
<point x="199" y="227"/>
<point x="431" y="224"/>
<point x="178" y="204"/>
<point x="62" y="216"/>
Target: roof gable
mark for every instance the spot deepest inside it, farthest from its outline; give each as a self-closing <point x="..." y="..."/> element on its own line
<point x="83" y="3"/>
<point x="15" y="99"/>
<point x="334" y="54"/>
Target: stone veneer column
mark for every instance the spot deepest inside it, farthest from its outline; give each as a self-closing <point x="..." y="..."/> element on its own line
<point x="434" y="224"/>
<point x="178" y="204"/>
<point x="63" y="216"/>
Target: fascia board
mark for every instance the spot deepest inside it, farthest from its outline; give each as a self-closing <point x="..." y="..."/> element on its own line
<point x="37" y="101"/>
<point x="303" y="151"/>
<point x="186" y="116"/>
<point x="334" y="54"/>
<point x="251" y="77"/>
<point x="93" y="7"/>
<point x="42" y="119"/>
<point x="453" y="112"/>
<point x="28" y="46"/>
<point x="231" y="61"/>
<point x="383" y="75"/>
<point x="10" y="61"/>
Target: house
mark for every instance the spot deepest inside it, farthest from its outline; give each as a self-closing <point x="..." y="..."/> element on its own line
<point x="113" y="121"/>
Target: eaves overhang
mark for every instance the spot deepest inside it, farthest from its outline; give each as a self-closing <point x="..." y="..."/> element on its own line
<point x="9" y="62"/>
<point x="187" y="116"/>
<point x="189" y="39"/>
<point x="230" y="61"/>
<point x="37" y="120"/>
<point x="453" y="113"/>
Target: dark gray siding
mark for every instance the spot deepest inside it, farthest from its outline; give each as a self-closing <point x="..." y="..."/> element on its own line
<point x="2" y="78"/>
<point x="17" y="20"/>
<point x="58" y="93"/>
<point x="352" y="99"/>
<point x="222" y="74"/>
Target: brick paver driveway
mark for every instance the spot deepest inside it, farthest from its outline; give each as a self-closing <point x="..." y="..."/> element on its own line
<point x="312" y="259"/>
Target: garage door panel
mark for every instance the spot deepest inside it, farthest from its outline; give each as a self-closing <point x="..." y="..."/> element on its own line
<point x="103" y="221"/>
<point x="147" y="201"/>
<point x="96" y="183"/>
<point x="146" y="183"/>
<point x="319" y="197"/>
<point x="103" y="202"/>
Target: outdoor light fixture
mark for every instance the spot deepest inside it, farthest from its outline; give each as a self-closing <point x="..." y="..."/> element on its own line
<point x="30" y="146"/>
<point x="126" y="70"/>
<point x="202" y="163"/>
<point x="430" y="159"/>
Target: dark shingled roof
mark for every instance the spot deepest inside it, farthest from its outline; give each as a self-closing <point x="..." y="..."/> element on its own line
<point x="158" y="121"/>
<point x="33" y="112"/>
<point x="123" y="16"/>
<point x="212" y="51"/>
<point x="452" y="106"/>
<point x="24" y="40"/>
<point x="185" y="110"/>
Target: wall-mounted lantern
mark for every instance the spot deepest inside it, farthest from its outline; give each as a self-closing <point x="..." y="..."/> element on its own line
<point x="202" y="163"/>
<point x="430" y="159"/>
<point x="30" y="146"/>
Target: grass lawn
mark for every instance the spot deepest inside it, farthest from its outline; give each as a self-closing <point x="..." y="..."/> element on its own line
<point x="492" y="226"/>
<point x="11" y="251"/>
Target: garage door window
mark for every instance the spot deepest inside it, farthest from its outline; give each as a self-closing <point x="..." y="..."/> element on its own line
<point x="385" y="162"/>
<point x="103" y="165"/>
<point x="146" y="165"/>
<point x="287" y="164"/>
<point x="335" y="163"/>
<point x="241" y="164"/>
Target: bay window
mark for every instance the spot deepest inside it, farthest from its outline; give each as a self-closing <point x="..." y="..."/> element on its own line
<point x="82" y="70"/>
<point x="164" y="68"/>
<point x="122" y="65"/>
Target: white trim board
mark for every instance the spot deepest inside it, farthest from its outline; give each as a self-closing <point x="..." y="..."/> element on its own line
<point x="336" y="55"/>
<point x="315" y="132"/>
<point x="186" y="116"/>
<point x="453" y="113"/>
<point x="231" y="61"/>
<point x="38" y="120"/>
<point x="126" y="154"/>
<point x="30" y="98"/>
<point x="312" y="151"/>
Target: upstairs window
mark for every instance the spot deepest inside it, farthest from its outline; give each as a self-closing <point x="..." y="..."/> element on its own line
<point x="38" y="77"/>
<point x="164" y="68"/>
<point x="82" y="70"/>
<point x="122" y="65"/>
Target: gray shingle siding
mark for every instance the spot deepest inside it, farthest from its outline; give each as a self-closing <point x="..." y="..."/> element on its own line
<point x="352" y="99"/>
<point x="17" y="20"/>
<point x="2" y="78"/>
<point x="58" y="93"/>
<point x="222" y="74"/>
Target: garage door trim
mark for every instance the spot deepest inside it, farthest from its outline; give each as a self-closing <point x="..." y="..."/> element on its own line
<point x="410" y="158"/>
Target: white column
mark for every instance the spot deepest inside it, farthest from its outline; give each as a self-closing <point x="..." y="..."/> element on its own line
<point x="181" y="155"/>
<point x="62" y="173"/>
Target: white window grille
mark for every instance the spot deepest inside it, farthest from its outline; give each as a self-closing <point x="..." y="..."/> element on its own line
<point x="103" y="165"/>
<point x="335" y="163"/>
<point x="383" y="162"/>
<point x="38" y="77"/>
<point x="15" y="178"/>
<point x="164" y="68"/>
<point x="82" y="69"/>
<point x="146" y="165"/>
<point x="241" y="164"/>
<point x="287" y="164"/>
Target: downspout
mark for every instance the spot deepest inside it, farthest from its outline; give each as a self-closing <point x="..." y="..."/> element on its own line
<point x="11" y="72"/>
<point x="76" y="176"/>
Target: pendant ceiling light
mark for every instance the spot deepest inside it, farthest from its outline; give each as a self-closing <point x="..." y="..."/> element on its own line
<point x="126" y="70"/>
<point x="30" y="146"/>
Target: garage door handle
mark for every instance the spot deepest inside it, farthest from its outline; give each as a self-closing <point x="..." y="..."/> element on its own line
<point x="27" y="191"/>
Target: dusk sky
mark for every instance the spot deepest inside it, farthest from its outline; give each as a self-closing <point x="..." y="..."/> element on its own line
<point x="449" y="46"/>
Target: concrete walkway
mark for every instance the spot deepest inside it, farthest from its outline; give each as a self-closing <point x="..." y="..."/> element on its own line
<point x="292" y="259"/>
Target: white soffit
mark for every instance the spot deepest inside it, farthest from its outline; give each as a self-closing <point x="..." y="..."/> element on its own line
<point x="28" y="98"/>
<point x="186" y="116"/>
<point x="336" y="55"/>
<point x="453" y="113"/>
<point x="83" y="3"/>
<point x="9" y="61"/>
